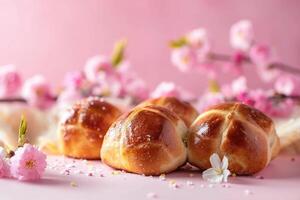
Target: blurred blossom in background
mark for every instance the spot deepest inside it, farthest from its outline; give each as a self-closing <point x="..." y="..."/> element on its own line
<point x="55" y="37"/>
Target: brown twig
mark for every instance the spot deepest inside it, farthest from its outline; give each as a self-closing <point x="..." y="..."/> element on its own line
<point x="275" y="65"/>
<point x="278" y="96"/>
<point x="19" y="100"/>
<point x="12" y="100"/>
<point x="285" y="67"/>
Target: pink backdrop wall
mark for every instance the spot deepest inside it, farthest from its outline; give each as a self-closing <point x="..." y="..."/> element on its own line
<point x="54" y="36"/>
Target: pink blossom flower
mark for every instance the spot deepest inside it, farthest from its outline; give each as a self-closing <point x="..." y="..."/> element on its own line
<point x="96" y="67"/>
<point x="282" y="109"/>
<point x="28" y="163"/>
<point x="106" y="80"/>
<point x="37" y="91"/>
<point x="193" y="54"/>
<point x="256" y="98"/>
<point x="131" y="84"/>
<point x="261" y="101"/>
<point x="169" y="89"/>
<point x="226" y="90"/>
<point x="285" y="85"/>
<point x="74" y="80"/>
<point x="246" y="98"/>
<point x="137" y="88"/>
<point x="184" y="58"/>
<point x="109" y="85"/>
<point x="241" y="35"/>
<point x="4" y="166"/>
<point x="2" y="152"/>
<point x="239" y="85"/>
<point x="261" y="55"/>
<point x="76" y="86"/>
<point x="199" y="41"/>
<point x="267" y="74"/>
<point x="10" y="81"/>
<point x="124" y="68"/>
<point x="69" y="96"/>
<point x="238" y="58"/>
<point x="208" y="100"/>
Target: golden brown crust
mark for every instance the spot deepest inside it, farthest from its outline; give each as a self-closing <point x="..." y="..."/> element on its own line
<point x="245" y="135"/>
<point x="147" y="140"/>
<point x="84" y="126"/>
<point x="183" y="109"/>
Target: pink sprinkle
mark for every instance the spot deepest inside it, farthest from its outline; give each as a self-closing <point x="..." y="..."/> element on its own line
<point x="202" y="186"/>
<point x="151" y="195"/>
<point x="173" y="184"/>
<point x="260" y="177"/>
<point x="189" y="183"/>
<point x="226" y="186"/>
<point x="90" y="174"/>
<point x="70" y="166"/>
<point x="211" y="185"/>
<point x="65" y="172"/>
<point x="247" y="192"/>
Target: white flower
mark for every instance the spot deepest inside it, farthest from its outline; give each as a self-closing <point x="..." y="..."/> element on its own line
<point x="198" y="38"/>
<point x="285" y="85"/>
<point x="184" y="58"/>
<point x="239" y="85"/>
<point x="165" y="89"/>
<point x="170" y="89"/>
<point x="241" y="35"/>
<point x="219" y="172"/>
<point x="199" y="42"/>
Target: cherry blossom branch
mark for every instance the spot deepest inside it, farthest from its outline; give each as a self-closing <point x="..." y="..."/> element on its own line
<point x="275" y="65"/>
<point x="278" y="96"/>
<point x="285" y="67"/>
<point x="12" y="100"/>
<point x="19" y="100"/>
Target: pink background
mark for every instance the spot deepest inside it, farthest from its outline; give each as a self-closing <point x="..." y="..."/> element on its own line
<point x="54" y="36"/>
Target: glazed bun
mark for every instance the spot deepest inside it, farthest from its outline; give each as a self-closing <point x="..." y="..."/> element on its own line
<point x="147" y="140"/>
<point x="83" y="127"/>
<point x="242" y="133"/>
<point x="183" y="109"/>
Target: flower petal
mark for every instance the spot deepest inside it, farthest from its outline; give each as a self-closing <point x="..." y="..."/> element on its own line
<point x="215" y="161"/>
<point x="212" y="176"/>
<point x="225" y="163"/>
<point x="226" y="173"/>
<point x="209" y="173"/>
<point x="217" y="179"/>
